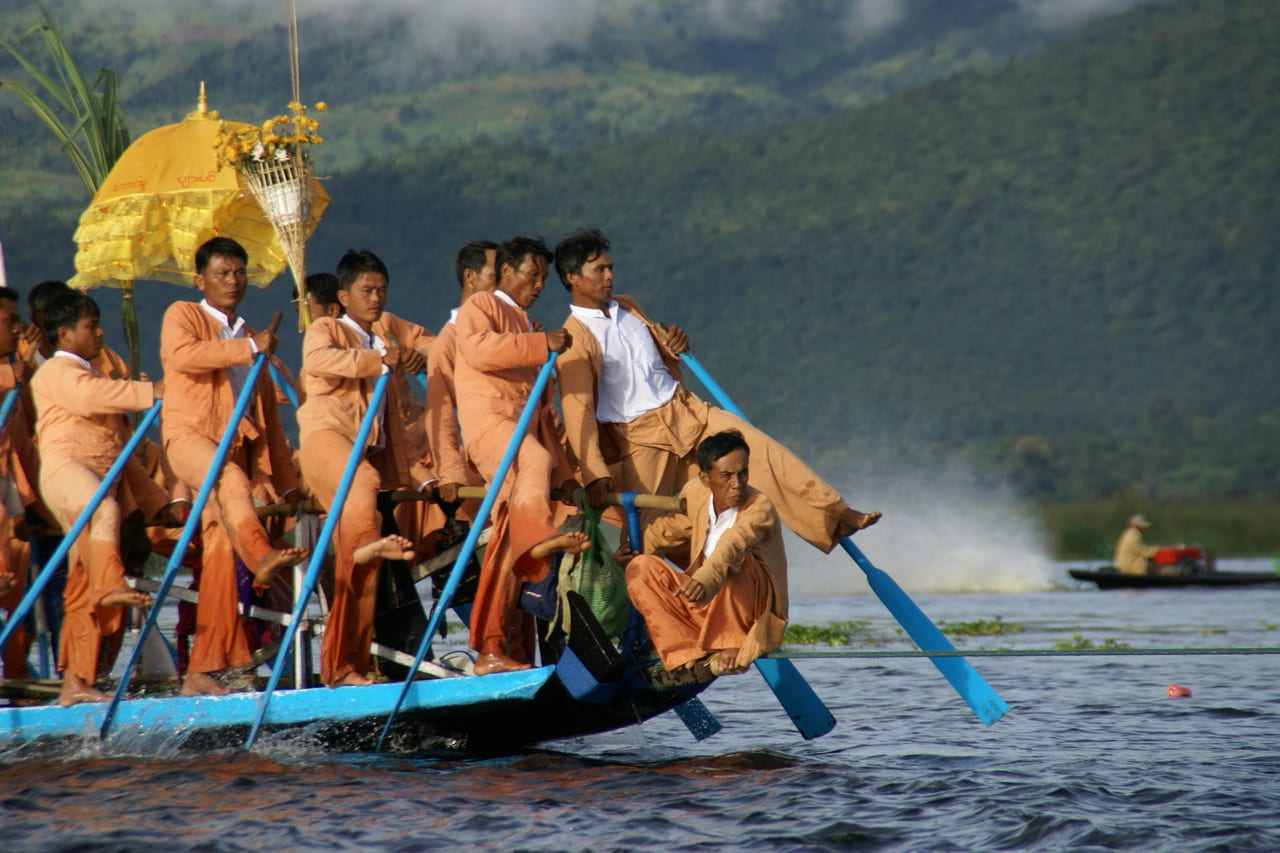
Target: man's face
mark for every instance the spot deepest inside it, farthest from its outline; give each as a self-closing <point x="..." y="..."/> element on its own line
<point x="84" y="338"/>
<point x="223" y="283"/>
<point x="486" y="280"/>
<point x="525" y="282"/>
<point x="10" y="327"/>
<point x="592" y="286"/>
<point x="727" y="480"/>
<point x="366" y="298"/>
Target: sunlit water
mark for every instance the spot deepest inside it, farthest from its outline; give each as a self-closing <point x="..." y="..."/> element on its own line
<point x="1093" y="756"/>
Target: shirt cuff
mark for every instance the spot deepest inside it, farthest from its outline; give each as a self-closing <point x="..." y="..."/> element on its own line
<point x="422" y="487"/>
<point x="253" y="345"/>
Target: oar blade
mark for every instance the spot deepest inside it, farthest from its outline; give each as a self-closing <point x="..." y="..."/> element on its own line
<point x="700" y="722"/>
<point x="807" y="712"/>
<point x="979" y="695"/>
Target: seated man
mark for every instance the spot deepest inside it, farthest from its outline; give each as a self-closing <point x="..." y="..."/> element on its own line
<point x="729" y="606"/>
<point x="628" y="415"/>
<point x="1131" y="555"/>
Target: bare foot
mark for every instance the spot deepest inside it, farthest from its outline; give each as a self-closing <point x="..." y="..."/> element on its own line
<point x="276" y="559"/>
<point x="6" y="582"/>
<point x="569" y="543"/>
<point x="202" y="684"/>
<point x="490" y="662"/>
<point x="352" y="679"/>
<point x="125" y="595"/>
<point x="725" y="662"/>
<point x="386" y="548"/>
<point x="75" y="691"/>
<point x="855" y="521"/>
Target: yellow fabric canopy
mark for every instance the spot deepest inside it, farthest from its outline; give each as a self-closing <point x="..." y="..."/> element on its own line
<point x="164" y="198"/>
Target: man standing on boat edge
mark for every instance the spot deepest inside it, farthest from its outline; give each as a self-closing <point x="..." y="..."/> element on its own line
<point x="628" y="414"/>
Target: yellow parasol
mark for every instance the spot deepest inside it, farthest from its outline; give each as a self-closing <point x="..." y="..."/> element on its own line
<point x="166" y="196"/>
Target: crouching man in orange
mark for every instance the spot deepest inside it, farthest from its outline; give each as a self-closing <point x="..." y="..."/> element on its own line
<point x="500" y="358"/>
<point x="729" y="606"/>
<point x="342" y="359"/>
<point x="80" y="431"/>
<point x="206" y="351"/>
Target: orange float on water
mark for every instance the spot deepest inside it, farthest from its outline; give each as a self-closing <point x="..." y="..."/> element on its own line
<point x="1177" y="691"/>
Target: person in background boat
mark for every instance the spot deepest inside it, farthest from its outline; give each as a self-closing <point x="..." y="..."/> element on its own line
<point x="474" y="268"/>
<point x="729" y="604"/>
<point x="18" y="474"/>
<point x="206" y="350"/>
<point x="342" y="359"/>
<point x="500" y="356"/>
<point x="80" y="431"/>
<point x="322" y="296"/>
<point x="629" y="417"/>
<point x="1132" y="555"/>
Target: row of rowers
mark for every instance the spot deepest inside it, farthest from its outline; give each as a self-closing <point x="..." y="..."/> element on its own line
<point x="626" y="422"/>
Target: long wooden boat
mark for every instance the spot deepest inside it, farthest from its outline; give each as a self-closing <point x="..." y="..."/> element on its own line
<point x="1108" y="578"/>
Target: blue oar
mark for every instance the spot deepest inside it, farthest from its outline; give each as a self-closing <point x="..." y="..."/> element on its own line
<point x="189" y="528"/>
<point x="284" y="386"/>
<point x="6" y="408"/>
<point x="332" y="516"/>
<point x="473" y="535"/>
<point x="37" y="586"/>
<point x="984" y="701"/>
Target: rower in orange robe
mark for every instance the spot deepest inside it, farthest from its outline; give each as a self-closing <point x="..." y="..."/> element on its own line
<point x="80" y="430"/>
<point x="628" y="415"/>
<point x="729" y="606"/>
<point x="206" y="351"/>
<point x="341" y="361"/>
<point x="499" y="363"/>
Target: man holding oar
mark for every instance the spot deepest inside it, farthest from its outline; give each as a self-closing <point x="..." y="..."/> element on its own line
<point x="206" y="350"/>
<point x="500" y="358"/>
<point x="628" y="415"/>
<point x="80" y="431"/>
<point x="341" y="360"/>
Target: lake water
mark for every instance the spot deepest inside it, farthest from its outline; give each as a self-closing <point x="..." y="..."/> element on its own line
<point x="1093" y="756"/>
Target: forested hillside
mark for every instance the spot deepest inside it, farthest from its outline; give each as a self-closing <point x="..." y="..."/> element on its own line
<point x="1063" y="271"/>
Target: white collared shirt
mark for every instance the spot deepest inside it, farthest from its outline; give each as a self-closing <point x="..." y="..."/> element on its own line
<point x="368" y="340"/>
<point x="717" y="525"/>
<point x="65" y="354"/>
<point x="237" y="373"/>
<point x="633" y="378"/>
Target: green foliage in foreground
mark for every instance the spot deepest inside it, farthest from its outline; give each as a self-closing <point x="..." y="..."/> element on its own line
<point x="836" y="634"/>
<point x="980" y="628"/>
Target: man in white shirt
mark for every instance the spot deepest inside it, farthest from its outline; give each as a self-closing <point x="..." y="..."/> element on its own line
<point x="631" y="422"/>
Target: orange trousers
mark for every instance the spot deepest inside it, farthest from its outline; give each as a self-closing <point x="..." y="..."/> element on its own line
<point x="348" y="633"/>
<point x="229" y="529"/>
<point x="15" y="559"/>
<point x="94" y="567"/>
<point x="682" y="632"/>
<point x="522" y="517"/>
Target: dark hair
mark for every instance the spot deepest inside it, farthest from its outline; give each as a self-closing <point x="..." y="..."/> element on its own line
<point x="512" y="252"/>
<point x="721" y="444"/>
<point x="39" y="296"/>
<point x="354" y="263"/>
<point x="65" y="310"/>
<point x="324" y="287"/>
<point x="576" y="249"/>
<point x="224" y="246"/>
<point x="472" y="257"/>
<point x="9" y="293"/>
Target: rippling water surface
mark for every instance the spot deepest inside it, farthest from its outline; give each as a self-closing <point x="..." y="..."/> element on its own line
<point x="1093" y="756"/>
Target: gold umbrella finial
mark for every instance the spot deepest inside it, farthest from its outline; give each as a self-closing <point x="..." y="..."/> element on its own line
<point x="202" y="103"/>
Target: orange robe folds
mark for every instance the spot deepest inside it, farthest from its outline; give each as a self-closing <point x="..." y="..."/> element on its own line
<point x="500" y="359"/>
<point x="80" y="432"/>
<point x="745" y="577"/>
<point x="655" y="453"/>
<point x="339" y="375"/>
<point x="198" y="403"/>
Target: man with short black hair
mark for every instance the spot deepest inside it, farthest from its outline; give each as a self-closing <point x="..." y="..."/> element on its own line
<point x="628" y="414"/>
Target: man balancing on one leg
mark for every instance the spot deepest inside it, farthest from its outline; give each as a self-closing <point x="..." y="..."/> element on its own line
<point x="342" y="359"/>
<point x="206" y="350"/>
<point x="628" y="415"/>
<point x="500" y="359"/>
<point x="80" y="430"/>
<point x="729" y="606"/>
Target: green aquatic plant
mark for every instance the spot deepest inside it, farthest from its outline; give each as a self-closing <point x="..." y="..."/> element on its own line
<point x="835" y="634"/>
<point x="1078" y="642"/>
<point x="980" y="628"/>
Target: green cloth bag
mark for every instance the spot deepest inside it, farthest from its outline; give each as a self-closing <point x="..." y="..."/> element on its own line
<point x="597" y="578"/>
